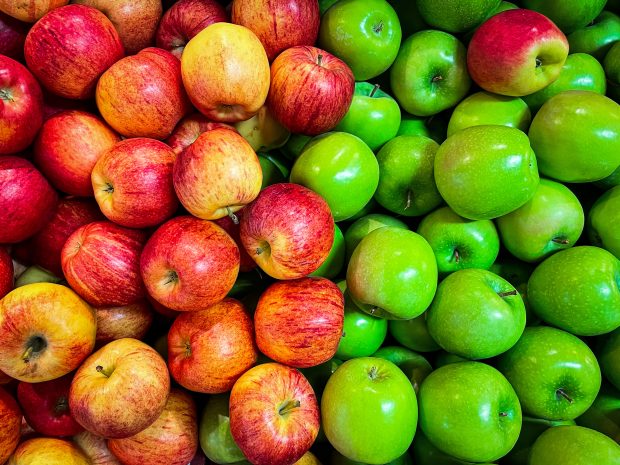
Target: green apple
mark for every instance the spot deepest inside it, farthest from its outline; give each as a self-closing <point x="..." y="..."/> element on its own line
<point x="576" y="136"/>
<point x="409" y="16"/>
<point x="374" y="116"/>
<point x="611" y="64"/>
<point x="610" y="181"/>
<point x="36" y="274"/>
<point x="578" y="290"/>
<point x="604" y="414"/>
<point x="334" y="263"/>
<point x="554" y="373"/>
<point x="339" y="459"/>
<point x="318" y="375"/>
<point x="370" y="207"/>
<point x="484" y="172"/>
<point x="530" y="430"/>
<point x="609" y="358"/>
<point x="568" y="15"/>
<point x="470" y="411"/>
<point x="361" y="227"/>
<point x="369" y="410"/>
<point x="443" y="358"/>
<point x="295" y="145"/>
<point x="459" y="243"/>
<point x="484" y="108"/>
<point x="392" y="274"/>
<point x="604" y="221"/>
<point x="430" y="74"/>
<point x="597" y="37"/>
<point x="414" y="365"/>
<point x="406" y="182"/>
<point x="425" y="453"/>
<point x="517" y="273"/>
<point x="341" y="168"/>
<point x="365" y="34"/>
<point x="275" y="170"/>
<point x="456" y="15"/>
<point x="574" y="445"/>
<point x="216" y="440"/>
<point x="503" y="6"/>
<point x="413" y="334"/>
<point x="411" y="125"/>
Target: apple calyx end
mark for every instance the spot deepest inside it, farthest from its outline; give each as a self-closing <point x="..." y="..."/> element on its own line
<point x="456" y="256"/>
<point x="503" y="414"/>
<point x="288" y="406"/>
<point x="507" y="293"/>
<point x="437" y="78"/>
<point x="378" y="28"/>
<point x="34" y="347"/>
<point x="561" y="393"/>
<point x="373" y="373"/>
<point x="108" y="188"/>
<point x="171" y="278"/>
<point x="538" y="62"/>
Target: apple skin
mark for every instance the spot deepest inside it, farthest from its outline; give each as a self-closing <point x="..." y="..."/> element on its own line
<point x="263" y="131"/>
<point x="120" y="390"/>
<point x="95" y="448"/>
<point x="362" y="226"/>
<point x="277" y="423"/>
<point x="425" y="453"/>
<point x="50" y="451"/>
<point x="608" y="356"/>
<point x="516" y="52"/>
<point x="604" y="414"/>
<point x="60" y="61"/>
<point x="47" y="331"/>
<point x="596" y="38"/>
<point x="13" y="34"/>
<point x="238" y="82"/>
<point x="133" y="185"/>
<point x="6" y="272"/>
<point x="21" y="114"/>
<point x="335" y="261"/>
<point x="215" y="437"/>
<point x="568" y="15"/>
<point x="10" y="425"/>
<point x="30" y="11"/>
<point x="132" y="320"/>
<point x="611" y="65"/>
<point x="413" y="334"/>
<point x="414" y="365"/>
<point x="189" y="264"/>
<point x="299" y="322"/>
<point x="101" y="262"/>
<point x="603" y="220"/>
<point x="455" y="16"/>
<point x="188" y="130"/>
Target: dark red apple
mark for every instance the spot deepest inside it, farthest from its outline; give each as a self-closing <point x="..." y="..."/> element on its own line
<point x="246" y="263"/>
<point x="6" y="272"/>
<point x="188" y="130"/>
<point x="132" y="320"/>
<point x="10" y="423"/>
<point x="12" y="36"/>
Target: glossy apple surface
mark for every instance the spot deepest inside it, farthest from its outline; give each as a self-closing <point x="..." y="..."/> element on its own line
<point x="234" y="230"/>
<point x="216" y="439"/>
<point x="413" y="334"/>
<point x="364" y="225"/>
<point x="601" y="220"/>
<point x="568" y="15"/>
<point x="597" y="37"/>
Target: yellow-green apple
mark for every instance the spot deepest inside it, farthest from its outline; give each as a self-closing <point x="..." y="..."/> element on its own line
<point x="602" y="221"/>
<point x="68" y="146"/>
<point x="142" y="95"/>
<point x="133" y="320"/>
<point x="48" y="451"/>
<point x="238" y="80"/>
<point x="216" y="440"/>
<point x="288" y="230"/>
<point x="217" y="175"/>
<point x="101" y="262"/>
<point x="455" y="16"/>
<point x="172" y="439"/>
<point x="188" y="130"/>
<point x="209" y="349"/>
<point x="132" y="183"/>
<point x="279" y="25"/>
<point x="516" y="52"/>
<point x="21" y="114"/>
<point x="12" y="36"/>
<point x="263" y="131"/>
<point x="189" y="264"/>
<point x="30" y="11"/>
<point x="95" y="448"/>
<point x="47" y="331"/>
<point x="10" y="425"/>
<point x="7" y="271"/>
<point x="233" y="229"/>
<point x="311" y="90"/>
<point x="568" y="15"/>
<point x="274" y="415"/>
<point x="299" y="322"/>
<point x="184" y="19"/>
<point x="65" y="66"/>
<point x="120" y="390"/>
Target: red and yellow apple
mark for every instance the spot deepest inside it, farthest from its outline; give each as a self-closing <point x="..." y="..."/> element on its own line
<point x="30" y="11"/>
<point x="95" y="448"/>
<point x="10" y="425"/>
<point x="132" y="320"/>
<point x="48" y="451"/>
<point x="188" y="130"/>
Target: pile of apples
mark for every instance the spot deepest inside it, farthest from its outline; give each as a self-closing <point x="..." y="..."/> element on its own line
<point x="309" y="232"/>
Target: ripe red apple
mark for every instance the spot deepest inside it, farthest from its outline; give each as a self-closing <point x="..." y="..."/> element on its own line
<point x="67" y="148"/>
<point x="274" y="415"/>
<point x="209" y="349"/>
<point x="30" y="11"/>
<point x="21" y="109"/>
<point x="10" y="423"/>
<point x="120" y="390"/>
<point x="188" y="130"/>
<point x="48" y="451"/>
<point x="184" y="20"/>
<point x="232" y="228"/>
<point x="133" y="183"/>
<point x="299" y="322"/>
<point x="171" y="440"/>
<point x="132" y="320"/>
<point x="101" y="262"/>
<point x="64" y="65"/>
<point x="6" y="272"/>
<point x="142" y="95"/>
<point x="311" y="90"/>
<point x="27" y="201"/>
<point x="279" y="24"/>
<point x="189" y="264"/>
<point x="46" y="406"/>
<point x="12" y="36"/>
<point x="95" y="448"/>
<point x="288" y="230"/>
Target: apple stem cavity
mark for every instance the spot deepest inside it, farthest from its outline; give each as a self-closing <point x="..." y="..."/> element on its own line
<point x="456" y="255"/>
<point x="288" y="406"/>
<point x="560" y="240"/>
<point x="61" y="406"/>
<point x="507" y="293"/>
<point x="374" y="90"/>
<point x="264" y="248"/>
<point x="562" y="393"/>
<point x="503" y="414"/>
<point x="109" y="188"/>
<point x="378" y="28"/>
<point x="232" y="216"/>
<point x="6" y="94"/>
<point x="319" y="60"/>
<point x="373" y="373"/>
<point x="538" y="62"/>
<point x="437" y="78"/>
<point x="101" y="370"/>
<point x="172" y="277"/>
<point x="34" y="346"/>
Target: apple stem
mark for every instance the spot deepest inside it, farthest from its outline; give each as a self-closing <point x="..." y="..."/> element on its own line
<point x="560" y="392"/>
<point x="319" y="60"/>
<point x="507" y="293"/>
<point x="561" y="240"/>
<point x="100" y="369"/>
<point x="408" y="202"/>
<point x="27" y="354"/>
<point x="288" y="406"/>
<point x="232" y="216"/>
<point x="374" y="90"/>
<point x="456" y="255"/>
<point x="373" y="310"/>
<point x="373" y="372"/>
<point x="437" y="78"/>
<point x="378" y="28"/>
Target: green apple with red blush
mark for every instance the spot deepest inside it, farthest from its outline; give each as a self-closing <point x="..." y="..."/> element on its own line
<point x="361" y="227"/>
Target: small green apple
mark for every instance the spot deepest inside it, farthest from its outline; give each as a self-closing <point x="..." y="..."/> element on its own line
<point x="294" y="146"/>
<point x="443" y="358"/>
<point x="456" y="15"/>
<point x="324" y="5"/>
<point x="609" y="358"/>
<point x="568" y="15"/>
<point x="413" y="334"/>
<point x="334" y="263"/>
<point x="604" y="221"/>
<point x="361" y="227"/>
<point x="216" y="440"/>
<point x="604" y="414"/>
<point x="414" y="365"/>
<point x="610" y="181"/>
<point x="275" y="170"/>
<point x="597" y="37"/>
<point x="503" y="6"/>
<point x="409" y="16"/>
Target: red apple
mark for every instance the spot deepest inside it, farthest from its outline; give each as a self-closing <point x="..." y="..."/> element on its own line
<point x="30" y="11"/>
<point x="209" y="349"/>
<point x="133" y="183"/>
<point x="21" y="108"/>
<point x="143" y="95"/>
<point x="46" y="406"/>
<point x="311" y="90"/>
<point x="4" y="378"/>
<point x="274" y="415"/>
<point x="10" y="423"/>
<point x="67" y="148"/>
<point x="299" y="322"/>
<point x="171" y="440"/>
<point x="189" y="264"/>
<point x="101" y="262"/>
<point x="6" y="272"/>
<point x="279" y="24"/>
<point x="95" y="448"/>
<point x="70" y="48"/>
<point x="120" y="390"/>
<point x="27" y="201"/>
<point x="232" y="228"/>
<point x="132" y="320"/>
<point x="184" y="20"/>
<point x="12" y="36"/>
<point x="288" y="230"/>
<point x="48" y="451"/>
<point x="188" y="130"/>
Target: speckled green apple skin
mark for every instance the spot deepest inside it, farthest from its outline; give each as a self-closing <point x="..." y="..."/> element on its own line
<point x="576" y="136"/>
<point x="609" y="358"/>
<point x="574" y="445"/>
<point x="459" y="243"/>
<point x="392" y="274"/>
<point x="545" y="361"/>
<point x="484" y="172"/>
<point x="413" y="334"/>
<point x="486" y="108"/>
<point x="550" y="221"/>
<point x="361" y="227"/>
<point x="334" y="263"/>
<point x="577" y="289"/>
<point x="369" y="410"/>
<point x="568" y="15"/>
<point x="414" y="365"/>
<point x="406" y="181"/>
<point x="604" y="221"/>
<point x="411" y="125"/>
<point x="596" y="38"/>
<point x="470" y="411"/>
<point x="455" y="15"/>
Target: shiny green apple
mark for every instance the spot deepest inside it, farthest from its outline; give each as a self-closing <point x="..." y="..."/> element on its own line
<point x="361" y="227"/>
<point x="609" y="358"/>
<point x="604" y="414"/>
<point x="413" y="334"/>
<point x="604" y="221"/>
<point x="597" y="37"/>
<point x="216" y="440"/>
<point x="414" y="365"/>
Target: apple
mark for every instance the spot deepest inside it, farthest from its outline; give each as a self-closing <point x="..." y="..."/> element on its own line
<point x="30" y="11"/>
<point x="597" y="37"/>
<point x="425" y="453"/>
<point x="411" y="125"/>
<point x="516" y="52"/>
<point x="67" y="67"/>
<point x="335" y="261"/>
<point x="47" y="331"/>
<point x="48" y="451"/>
<point x="455" y="16"/>
<point x="364" y="225"/>
<point x="414" y="365"/>
<point x="604" y="414"/>
<point x="6" y="272"/>
<point x="13" y="33"/>
<point x="236" y="86"/>
<point x="608" y="357"/>
<point x="263" y="131"/>
<point x="132" y="320"/>
<point x="277" y="423"/>
<point x="95" y="448"/>
<point x="215" y="437"/>
<point x="602" y="217"/>
<point x="339" y="459"/>
<point x="36" y="274"/>
<point x="610" y="181"/>
<point x="188" y="130"/>
<point x="568" y="15"/>
<point x="611" y="64"/>
<point x="413" y="334"/>
<point x="10" y="424"/>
